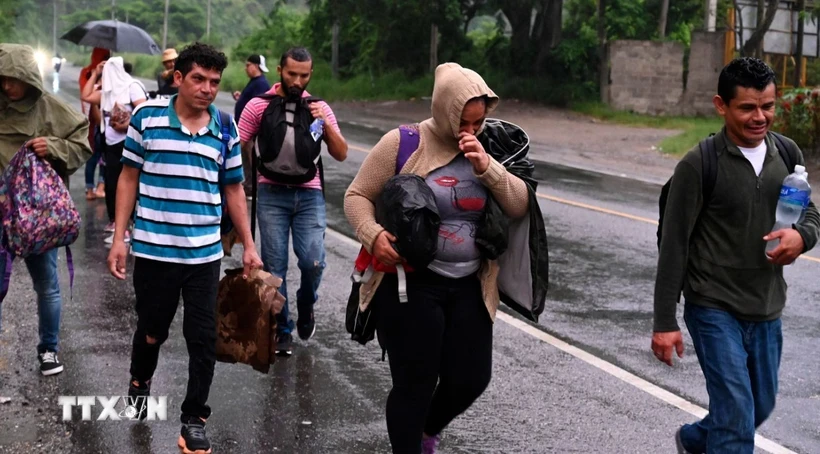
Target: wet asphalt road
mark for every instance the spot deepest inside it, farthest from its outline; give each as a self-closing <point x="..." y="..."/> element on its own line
<point x="329" y="397"/>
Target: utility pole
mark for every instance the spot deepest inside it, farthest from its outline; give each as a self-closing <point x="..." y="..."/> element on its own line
<point x="165" y="27"/>
<point x="662" y="19"/>
<point x="801" y="33"/>
<point x="334" y="52"/>
<point x="113" y="6"/>
<point x="54" y="29"/>
<point x="208" y="23"/>
<point x="603" y="64"/>
<point x="433" y="47"/>
<point x="711" y="15"/>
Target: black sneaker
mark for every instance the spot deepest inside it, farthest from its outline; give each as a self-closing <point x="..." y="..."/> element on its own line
<point x="137" y="398"/>
<point x="679" y="443"/>
<point x="192" y="438"/>
<point x="284" y="345"/>
<point x="306" y="326"/>
<point x="49" y="363"/>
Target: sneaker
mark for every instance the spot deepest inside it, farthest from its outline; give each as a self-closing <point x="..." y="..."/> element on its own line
<point x="49" y="363"/>
<point x="284" y="344"/>
<point x="429" y="445"/>
<point x="109" y="228"/>
<point x="137" y="398"/>
<point x="306" y="328"/>
<point x="679" y="443"/>
<point x="192" y="438"/>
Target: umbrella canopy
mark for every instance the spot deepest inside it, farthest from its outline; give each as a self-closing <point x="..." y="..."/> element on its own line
<point x="113" y="35"/>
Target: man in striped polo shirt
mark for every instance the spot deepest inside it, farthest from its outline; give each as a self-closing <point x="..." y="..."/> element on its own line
<point x="285" y="128"/>
<point x="171" y="164"/>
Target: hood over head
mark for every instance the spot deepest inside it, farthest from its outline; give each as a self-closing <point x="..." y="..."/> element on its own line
<point x="454" y="86"/>
<point x="17" y="61"/>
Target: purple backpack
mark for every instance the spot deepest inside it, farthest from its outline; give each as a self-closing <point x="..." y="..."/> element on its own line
<point x="37" y="213"/>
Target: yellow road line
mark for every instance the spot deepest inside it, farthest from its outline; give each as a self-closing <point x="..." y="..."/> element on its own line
<point x="596" y="208"/>
<point x="591" y="207"/>
<point x="624" y="215"/>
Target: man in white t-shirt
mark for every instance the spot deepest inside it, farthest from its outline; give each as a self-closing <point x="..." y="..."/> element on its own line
<point x="713" y="250"/>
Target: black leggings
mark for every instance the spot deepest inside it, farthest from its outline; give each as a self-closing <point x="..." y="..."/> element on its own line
<point x="439" y="345"/>
<point x="113" y="167"/>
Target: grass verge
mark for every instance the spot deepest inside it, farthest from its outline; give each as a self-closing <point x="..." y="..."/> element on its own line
<point x="693" y="129"/>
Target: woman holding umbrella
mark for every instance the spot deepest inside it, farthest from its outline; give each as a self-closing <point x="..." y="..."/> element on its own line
<point x="118" y="95"/>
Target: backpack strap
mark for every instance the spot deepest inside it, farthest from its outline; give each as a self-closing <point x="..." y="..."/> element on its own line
<point x="408" y="143"/>
<point x="709" y="158"/>
<point x="70" y="262"/>
<point x="787" y="152"/>
<point x="8" y="258"/>
<point x="225" y="135"/>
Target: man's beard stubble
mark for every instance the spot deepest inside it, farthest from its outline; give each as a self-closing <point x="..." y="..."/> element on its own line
<point x="291" y="93"/>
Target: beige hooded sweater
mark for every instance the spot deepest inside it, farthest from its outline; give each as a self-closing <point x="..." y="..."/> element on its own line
<point x="438" y="145"/>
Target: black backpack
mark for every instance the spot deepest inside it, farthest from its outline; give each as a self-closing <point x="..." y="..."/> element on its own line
<point x="272" y="129"/>
<point x="709" y="159"/>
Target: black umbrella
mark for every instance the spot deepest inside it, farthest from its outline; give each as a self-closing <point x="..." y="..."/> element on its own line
<point x="113" y="35"/>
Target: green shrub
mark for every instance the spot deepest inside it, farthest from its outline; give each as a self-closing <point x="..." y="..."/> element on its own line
<point x="798" y="117"/>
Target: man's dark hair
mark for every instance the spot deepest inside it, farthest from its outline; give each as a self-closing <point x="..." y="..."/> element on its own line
<point x="299" y="54"/>
<point x="746" y="72"/>
<point x="128" y="67"/>
<point x="203" y="55"/>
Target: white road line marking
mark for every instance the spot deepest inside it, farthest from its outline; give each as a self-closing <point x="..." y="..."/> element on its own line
<point x="623" y="375"/>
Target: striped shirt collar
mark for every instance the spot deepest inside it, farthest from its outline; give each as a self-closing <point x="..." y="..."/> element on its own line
<point x="173" y="119"/>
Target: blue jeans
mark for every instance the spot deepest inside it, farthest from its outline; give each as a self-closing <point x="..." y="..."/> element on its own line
<point x="283" y="209"/>
<point x="91" y="166"/>
<point x="43" y="271"/>
<point x="740" y="361"/>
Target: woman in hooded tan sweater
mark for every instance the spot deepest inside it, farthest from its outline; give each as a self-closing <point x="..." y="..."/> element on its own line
<point x="439" y="343"/>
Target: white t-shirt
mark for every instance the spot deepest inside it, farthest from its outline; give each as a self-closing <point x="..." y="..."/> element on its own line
<point x="112" y="136"/>
<point x="756" y="156"/>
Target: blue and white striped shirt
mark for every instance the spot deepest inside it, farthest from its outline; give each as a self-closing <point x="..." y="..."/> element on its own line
<point x="179" y="207"/>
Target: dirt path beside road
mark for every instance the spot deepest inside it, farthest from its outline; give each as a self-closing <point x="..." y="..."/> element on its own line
<point x="557" y="136"/>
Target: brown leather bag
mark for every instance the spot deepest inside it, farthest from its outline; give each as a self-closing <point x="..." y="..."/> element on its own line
<point x="246" y="318"/>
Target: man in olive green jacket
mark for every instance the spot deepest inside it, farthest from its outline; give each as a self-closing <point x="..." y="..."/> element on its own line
<point x="715" y="251"/>
<point x="58" y="134"/>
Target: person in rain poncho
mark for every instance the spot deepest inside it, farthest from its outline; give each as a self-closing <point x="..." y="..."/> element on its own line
<point x="440" y="342"/>
<point x="58" y="134"/>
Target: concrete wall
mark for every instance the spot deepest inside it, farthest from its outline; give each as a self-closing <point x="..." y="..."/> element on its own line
<point x="705" y="63"/>
<point x="647" y="76"/>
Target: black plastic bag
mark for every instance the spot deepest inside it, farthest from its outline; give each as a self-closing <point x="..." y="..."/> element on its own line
<point x="523" y="278"/>
<point x="361" y="325"/>
<point x="492" y="238"/>
<point x="407" y="209"/>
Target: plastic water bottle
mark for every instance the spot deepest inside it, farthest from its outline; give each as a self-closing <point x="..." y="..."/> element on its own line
<point x="317" y="128"/>
<point x="795" y="195"/>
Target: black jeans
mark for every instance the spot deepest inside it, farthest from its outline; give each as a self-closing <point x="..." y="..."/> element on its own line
<point x="158" y="286"/>
<point x="113" y="167"/>
<point x="439" y="345"/>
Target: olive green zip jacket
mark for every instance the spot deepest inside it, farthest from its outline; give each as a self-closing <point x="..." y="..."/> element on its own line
<point x="719" y="260"/>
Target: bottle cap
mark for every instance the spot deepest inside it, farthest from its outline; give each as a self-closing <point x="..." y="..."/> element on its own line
<point x="799" y="169"/>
